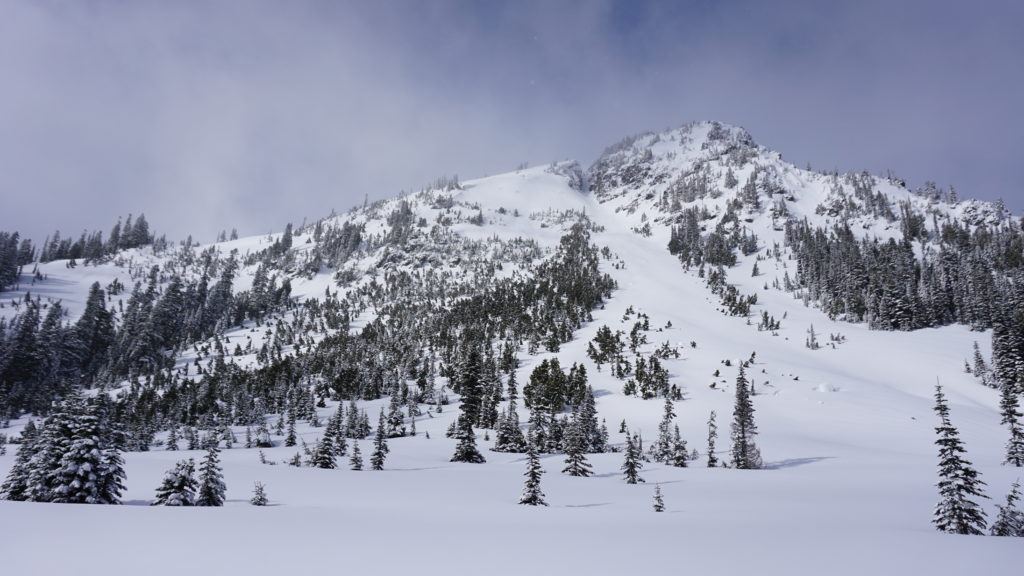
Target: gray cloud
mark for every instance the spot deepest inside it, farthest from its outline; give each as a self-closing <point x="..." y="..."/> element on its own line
<point x="252" y="114"/>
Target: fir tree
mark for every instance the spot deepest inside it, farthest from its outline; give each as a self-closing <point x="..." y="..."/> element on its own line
<point x="745" y="454"/>
<point x="958" y="482"/>
<point x="662" y="449"/>
<point x="575" y="460"/>
<point x="1010" y="520"/>
<point x="179" y="486"/>
<point x="380" y="444"/>
<point x="509" y="437"/>
<point x="1010" y="410"/>
<point x="466" y="450"/>
<point x="211" y="480"/>
<point x="532" y="494"/>
<point x="172" y="439"/>
<point x="659" y="501"/>
<point x="395" y="419"/>
<point x="259" y="495"/>
<point x="16" y="485"/>
<point x="632" y="463"/>
<point x="355" y="460"/>
<point x="678" y="457"/>
<point x="324" y="454"/>
<point x="90" y="470"/>
<point x="712" y="436"/>
<point x="291" y="439"/>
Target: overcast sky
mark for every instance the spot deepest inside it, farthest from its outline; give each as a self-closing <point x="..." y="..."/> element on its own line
<point x="250" y="114"/>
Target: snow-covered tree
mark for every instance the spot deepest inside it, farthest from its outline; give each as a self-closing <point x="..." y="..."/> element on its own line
<point x="355" y="460"/>
<point x="661" y="450"/>
<point x="259" y="495"/>
<point x="659" y="501"/>
<point x="211" y="480"/>
<point x="745" y="454"/>
<point x="1009" y="406"/>
<point x="179" y="486"/>
<point x="324" y="454"/>
<point x="712" y="436"/>
<point x="956" y="512"/>
<point x="380" y="444"/>
<point x="575" y="460"/>
<point x="632" y="462"/>
<point x="532" y="494"/>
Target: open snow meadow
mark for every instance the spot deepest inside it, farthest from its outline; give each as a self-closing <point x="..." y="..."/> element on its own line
<point x="844" y="410"/>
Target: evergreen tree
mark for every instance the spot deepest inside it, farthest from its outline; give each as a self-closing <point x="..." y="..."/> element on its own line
<point x="632" y="464"/>
<point x="179" y="486"/>
<point x="380" y="444"/>
<point x="291" y="439"/>
<point x="509" y="437"/>
<point x="395" y="420"/>
<point x="659" y="501"/>
<point x="259" y="495"/>
<point x="712" y="436"/>
<point x="678" y="456"/>
<point x="1010" y="410"/>
<point x="90" y="471"/>
<point x="172" y="439"/>
<point x="575" y="445"/>
<point x="532" y="494"/>
<point x="16" y="485"/>
<point x="466" y="450"/>
<point x="211" y="480"/>
<point x="324" y="454"/>
<point x="662" y="448"/>
<point x="355" y="460"/>
<point x="745" y="454"/>
<point x="1010" y="520"/>
<point x="958" y="482"/>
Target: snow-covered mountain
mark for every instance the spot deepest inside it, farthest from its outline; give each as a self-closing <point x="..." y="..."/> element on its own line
<point x="844" y="298"/>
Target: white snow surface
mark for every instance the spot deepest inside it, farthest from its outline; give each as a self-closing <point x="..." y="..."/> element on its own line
<point x="846" y="433"/>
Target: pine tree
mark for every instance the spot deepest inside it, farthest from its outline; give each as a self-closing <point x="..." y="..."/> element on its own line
<point x="1010" y="520"/>
<point x="509" y="437"/>
<point x="1010" y="410"/>
<point x="324" y="454"/>
<point x="355" y="460"/>
<point x="466" y="450"/>
<point x="712" y="436"/>
<point x="745" y="455"/>
<point x="678" y="457"/>
<point x="395" y="420"/>
<point x="259" y="495"/>
<point x="532" y="494"/>
<point x="179" y="486"/>
<point x="575" y="460"/>
<point x="291" y="439"/>
<point x="958" y="482"/>
<point x="172" y="439"/>
<point x="661" y="449"/>
<point x="16" y="485"/>
<point x="90" y="470"/>
<point x="632" y="463"/>
<point x="211" y="480"/>
<point x="659" y="501"/>
<point x="380" y="444"/>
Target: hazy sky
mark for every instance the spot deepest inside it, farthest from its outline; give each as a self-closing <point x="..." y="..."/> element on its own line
<point x="250" y="114"/>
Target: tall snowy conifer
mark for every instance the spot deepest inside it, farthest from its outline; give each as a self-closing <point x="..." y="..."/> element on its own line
<point x="956" y="512"/>
<point x="211" y="480"/>
<point x="745" y="454"/>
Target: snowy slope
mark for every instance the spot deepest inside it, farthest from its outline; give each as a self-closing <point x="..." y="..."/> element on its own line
<point x="846" y="431"/>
